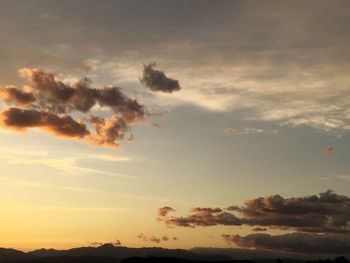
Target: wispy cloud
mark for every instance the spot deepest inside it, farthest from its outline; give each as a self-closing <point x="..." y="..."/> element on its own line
<point x="65" y="165"/>
<point x="249" y="131"/>
<point x="39" y="184"/>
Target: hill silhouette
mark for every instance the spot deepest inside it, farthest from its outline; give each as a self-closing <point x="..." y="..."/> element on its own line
<point x="109" y="253"/>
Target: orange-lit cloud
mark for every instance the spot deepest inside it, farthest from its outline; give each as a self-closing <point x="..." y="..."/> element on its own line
<point x="60" y="125"/>
<point x="47" y="104"/>
<point x="17" y="96"/>
<point x="230" y="131"/>
<point x="328" y="150"/>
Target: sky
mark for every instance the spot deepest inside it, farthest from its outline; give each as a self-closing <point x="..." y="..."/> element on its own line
<point x="177" y="124"/>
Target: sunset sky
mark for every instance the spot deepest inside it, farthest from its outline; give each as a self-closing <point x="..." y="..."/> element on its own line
<point x="111" y="110"/>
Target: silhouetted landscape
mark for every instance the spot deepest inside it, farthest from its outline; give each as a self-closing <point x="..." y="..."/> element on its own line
<point x="109" y="253"/>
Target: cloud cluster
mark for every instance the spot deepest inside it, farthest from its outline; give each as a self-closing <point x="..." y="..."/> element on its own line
<point x="156" y="80"/>
<point x="327" y="212"/>
<point x="48" y="104"/>
<point x="294" y="242"/>
<point x="155" y="239"/>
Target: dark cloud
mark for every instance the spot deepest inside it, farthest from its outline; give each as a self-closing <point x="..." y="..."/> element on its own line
<point x="163" y="211"/>
<point x="327" y="212"/>
<point x="63" y="125"/>
<point x="203" y="217"/>
<point x="16" y="96"/>
<point x="80" y="96"/>
<point x="294" y="242"/>
<point x="155" y="239"/>
<point x="48" y="103"/>
<point x="156" y="80"/>
<point x="206" y="210"/>
<point x="148" y="239"/>
<point x="259" y="229"/>
<point x="116" y="243"/>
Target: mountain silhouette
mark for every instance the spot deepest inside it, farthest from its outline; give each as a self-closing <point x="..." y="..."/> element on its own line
<point x="108" y="253"/>
<point x="108" y="250"/>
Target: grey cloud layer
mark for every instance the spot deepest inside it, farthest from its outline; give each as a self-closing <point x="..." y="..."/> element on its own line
<point x="294" y="242"/>
<point x="243" y="55"/>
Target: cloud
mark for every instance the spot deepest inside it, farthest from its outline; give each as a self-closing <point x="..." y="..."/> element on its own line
<point x="206" y="210"/>
<point x="230" y="131"/>
<point x="65" y="164"/>
<point x="115" y="243"/>
<point x="148" y="239"/>
<point x="328" y="150"/>
<point x="327" y="212"/>
<point x="55" y="95"/>
<point x="163" y="211"/>
<point x="61" y="125"/>
<point x="156" y="80"/>
<point x="203" y="217"/>
<point x="155" y="239"/>
<point x="249" y="131"/>
<point x="294" y="242"/>
<point x="48" y="104"/>
<point x="285" y="70"/>
<point x="17" y="96"/>
<point x="259" y="229"/>
<point x="108" y="131"/>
